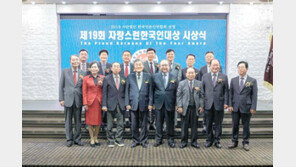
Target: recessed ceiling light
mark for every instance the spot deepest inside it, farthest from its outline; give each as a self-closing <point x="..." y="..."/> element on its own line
<point x="189" y="2"/>
<point x="251" y="3"/>
<point x="33" y="2"/>
<point x="126" y="2"/>
<point x="221" y="2"/>
<point x="158" y="2"/>
<point x="63" y="2"/>
<point x="95" y="2"/>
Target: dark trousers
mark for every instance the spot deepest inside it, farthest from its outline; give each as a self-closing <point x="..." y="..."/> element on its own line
<point x="168" y="116"/>
<point x="217" y="117"/>
<point x="104" y="118"/>
<point x="118" y="114"/>
<point x="236" y="116"/>
<point x="139" y="120"/>
<point x="69" y="113"/>
<point x="151" y="117"/>
<point x="189" y="119"/>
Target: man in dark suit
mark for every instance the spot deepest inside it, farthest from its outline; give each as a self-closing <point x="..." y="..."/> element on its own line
<point x="139" y="99"/>
<point x="209" y="56"/>
<point x="70" y="97"/>
<point x="126" y="68"/>
<point x="190" y="60"/>
<point x="242" y="103"/>
<point x="113" y="103"/>
<point x="176" y="70"/>
<point x="83" y="65"/>
<point x="164" y="86"/>
<point x="190" y="103"/>
<point x="215" y="85"/>
<point x="151" y="67"/>
<point x="104" y="69"/>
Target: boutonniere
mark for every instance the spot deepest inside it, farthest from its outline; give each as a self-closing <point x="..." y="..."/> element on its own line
<point x="248" y="84"/>
<point x="196" y="88"/>
<point x="107" y="71"/>
<point x="177" y="67"/>
<point x="81" y="76"/>
<point x="100" y="81"/>
<point x="157" y="66"/>
<point x="122" y="81"/>
<point x="172" y="81"/>
<point x="220" y="80"/>
<point x="147" y="81"/>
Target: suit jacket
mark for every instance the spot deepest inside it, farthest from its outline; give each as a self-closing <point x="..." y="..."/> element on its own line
<point x="218" y="94"/>
<point x="107" y="71"/>
<point x="112" y="96"/>
<point x="139" y="98"/>
<point x="87" y="72"/>
<point x="183" y="95"/>
<point x="91" y="91"/>
<point x="164" y="96"/>
<point x="176" y="70"/>
<point x="147" y="68"/>
<point x="204" y="69"/>
<point x="131" y="68"/>
<point x="245" y="99"/>
<point x="68" y="91"/>
<point x="184" y="74"/>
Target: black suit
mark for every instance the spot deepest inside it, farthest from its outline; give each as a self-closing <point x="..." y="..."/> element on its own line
<point x="184" y="74"/>
<point x="242" y="101"/>
<point x="113" y="99"/>
<point x="165" y="102"/>
<point x="139" y="99"/>
<point x="86" y="70"/>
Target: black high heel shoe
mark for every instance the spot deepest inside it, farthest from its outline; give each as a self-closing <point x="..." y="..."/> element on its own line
<point x="92" y="145"/>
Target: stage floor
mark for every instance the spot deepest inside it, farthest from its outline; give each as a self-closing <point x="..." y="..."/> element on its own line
<point x="54" y="152"/>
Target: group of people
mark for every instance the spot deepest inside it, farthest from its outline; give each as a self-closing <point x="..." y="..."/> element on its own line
<point x="152" y="96"/>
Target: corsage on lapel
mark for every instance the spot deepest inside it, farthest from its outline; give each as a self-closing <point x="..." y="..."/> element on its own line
<point x="107" y="70"/>
<point x="196" y="88"/>
<point x="248" y="84"/>
<point x="177" y="67"/>
<point x="122" y="81"/>
<point x="147" y="81"/>
<point x="100" y="81"/>
<point x="81" y="76"/>
<point x="219" y="80"/>
<point x="172" y="81"/>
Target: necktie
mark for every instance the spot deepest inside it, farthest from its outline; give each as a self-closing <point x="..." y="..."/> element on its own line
<point x="83" y="67"/>
<point x="75" y="78"/>
<point x="241" y="84"/>
<point x="126" y="71"/>
<point x="170" y="66"/>
<point x="103" y="68"/>
<point x="164" y="80"/>
<point x="151" y="67"/>
<point x="117" y="82"/>
<point x="190" y="86"/>
<point x="139" y="80"/>
<point x="214" y="79"/>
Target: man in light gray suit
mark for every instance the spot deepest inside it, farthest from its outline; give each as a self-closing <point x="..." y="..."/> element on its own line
<point x="176" y="70"/>
<point x="70" y="97"/>
<point x="242" y="103"/>
<point x="190" y="103"/>
<point x="215" y="85"/>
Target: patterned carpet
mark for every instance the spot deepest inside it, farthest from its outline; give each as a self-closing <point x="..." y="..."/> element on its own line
<point x="54" y="152"/>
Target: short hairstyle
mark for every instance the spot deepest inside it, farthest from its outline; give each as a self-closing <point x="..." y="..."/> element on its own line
<point x="138" y="60"/>
<point x="190" y="55"/>
<point x="164" y="60"/>
<point x="103" y="50"/>
<point x="209" y="52"/>
<point x="72" y="56"/>
<point x="169" y="50"/>
<point x="92" y="63"/>
<point x="115" y="63"/>
<point x="213" y="60"/>
<point x="190" y="68"/>
<point x="243" y="62"/>
<point x="83" y="50"/>
<point x="127" y="51"/>
<point x="151" y="49"/>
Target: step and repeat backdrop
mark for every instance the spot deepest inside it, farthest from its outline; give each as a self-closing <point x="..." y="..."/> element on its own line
<point x="195" y="36"/>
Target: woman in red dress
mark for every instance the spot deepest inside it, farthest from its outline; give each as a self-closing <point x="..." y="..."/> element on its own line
<point x="92" y="100"/>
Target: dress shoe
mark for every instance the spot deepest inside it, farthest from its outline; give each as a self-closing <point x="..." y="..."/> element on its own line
<point x="97" y="144"/>
<point x="218" y="145"/>
<point x="92" y="145"/>
<point x="195" y="145"/>
<point x="172" y="145"/>
<point x="204" y="129"/>
<point x="183" y="145"/>
<point x="246" y="147"/>
<point x="208" y="144"/>
<point x="127" y="124"/>
<point x="110" y="144"/>
<point x="232" y="145"/>
<point x="134" y="145"/>
<point x="69" y="143"/>
<point x="144" y="145"/>
<point x="120" y="144"/>
<point x="157" y="144"/>
<point x="152" y="127"/>
<point x="79" y="143"/>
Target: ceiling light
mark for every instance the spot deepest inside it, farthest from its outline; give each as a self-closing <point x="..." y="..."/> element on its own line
<point x="158" y="2"/>
<point x="126" y="2"/>
<point x="189" y="2"/>
<point x="251" y="3"/>
<point x="95" y="2"/>
<point x="221" y="2"/>
<point x="63" y="2"/>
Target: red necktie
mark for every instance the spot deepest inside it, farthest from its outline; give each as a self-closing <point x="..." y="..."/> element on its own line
<point x="75" y="79"/>
<point x="151" y="68"/>
<point x="126" y="71"/>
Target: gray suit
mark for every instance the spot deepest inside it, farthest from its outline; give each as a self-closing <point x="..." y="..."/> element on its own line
<point x="215" y="99"/>
<point x="176" y="70"/>
<point x="147" y="68"/>
<point x="72" y="95"/>
<point x="242" y="102"/>
<point x="190" y="111"/>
